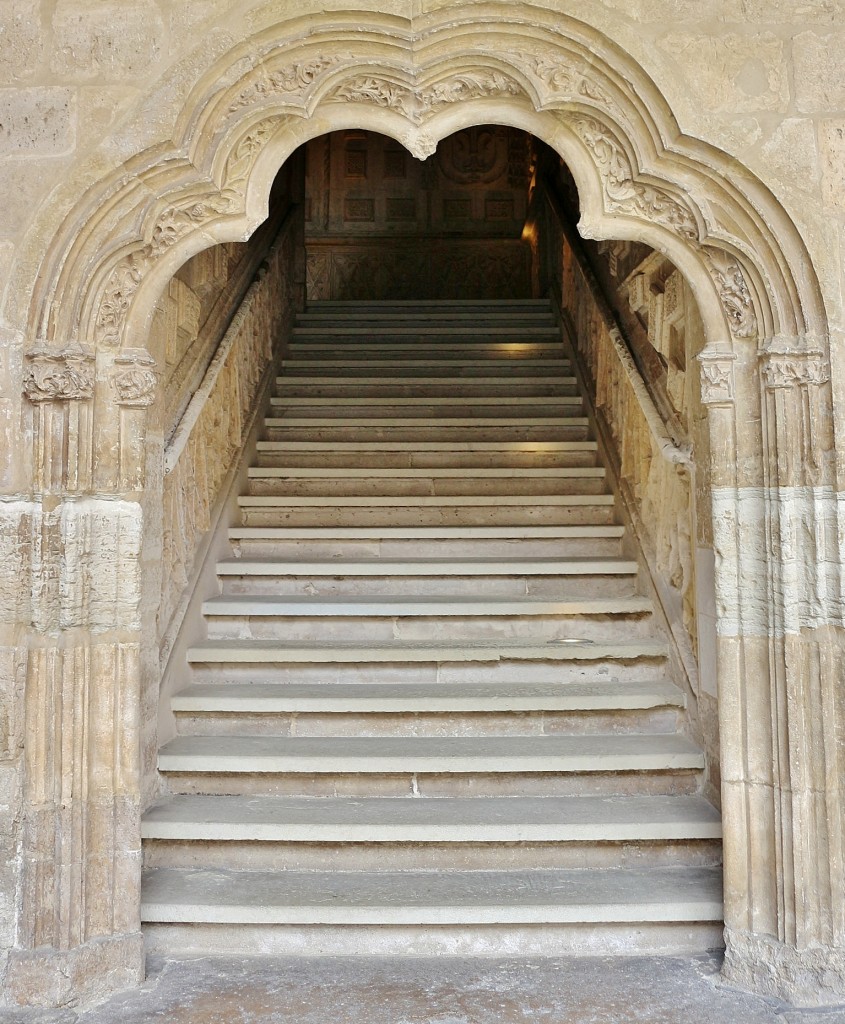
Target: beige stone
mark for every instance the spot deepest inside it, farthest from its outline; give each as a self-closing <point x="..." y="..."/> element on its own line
<point x="88" y="42"/>
<point x="732" y="73"/>
<point x="37" y="122"/>
<point x="819" y="72"/>
<point x="22" y="39"/>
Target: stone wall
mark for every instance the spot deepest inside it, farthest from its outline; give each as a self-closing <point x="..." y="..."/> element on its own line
<point x="633" y="324"/>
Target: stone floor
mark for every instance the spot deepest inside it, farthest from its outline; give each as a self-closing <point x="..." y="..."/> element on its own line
<point x="427" y="991"/>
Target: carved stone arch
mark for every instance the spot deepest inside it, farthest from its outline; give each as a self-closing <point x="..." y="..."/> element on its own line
<point x="419" y="80"/>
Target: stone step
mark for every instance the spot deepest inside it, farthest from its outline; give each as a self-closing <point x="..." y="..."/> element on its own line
<point x="544" y="542"/>
<point x="467" y="333"/>
<point x="425" y="473"/>
<point x="471" y="501"/>
<point x="440" y="754"/>
<point x="426" y="350"/>
<point x="450" y="365"/>
<point x="398" y="607"/>
<point x="342" y="457"/>
<point x="252" y="652"/>
<point x="428" y="567"/>
<point x="402" y="382"/>
<point x="396" y="898"/>
<point x="484" y="407"/>
<point x="445" y="315"/>
<point x="573" y="428"/>
<point x="432" y="820"/>
<point x="514" y="447"/>
<point x="477" y="698"/>
<point x="337" y="485"/>
<point x="362" y="305"/>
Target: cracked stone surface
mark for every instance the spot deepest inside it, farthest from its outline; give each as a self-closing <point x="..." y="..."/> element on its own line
<point x="434" y="991"/>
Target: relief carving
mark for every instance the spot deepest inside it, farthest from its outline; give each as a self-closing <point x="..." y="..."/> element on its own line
<point x="717" y="382"/>
<point x="59" y="376"/>
<point x="733" y="291"/>
<point x="286" y="82"/>
<point x="135" y="379"/>
<point x="174" y="223"/>
<point x="623" y="193"/>
<point x="791" y="369"/>
<point x="466" y="87"/>
<point x="380" y="92"/>
<point x="564" y="81"/>
<point x="416" y="104"/>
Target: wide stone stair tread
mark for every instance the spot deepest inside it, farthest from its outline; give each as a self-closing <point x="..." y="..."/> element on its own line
<point x="424" y="473"/>
<point x="420" y="897"/>
<point x="574" y="566"/>
<point x="409" y="500"/>
<point x="264" y="652"/>
<point x="276" y="698"/>
<point x="427" y="605"/>
<point x="432" y="819"/>
<point x="580" y="530"/>
<point x="517" y="447"/>
<point x="430" y="754"/>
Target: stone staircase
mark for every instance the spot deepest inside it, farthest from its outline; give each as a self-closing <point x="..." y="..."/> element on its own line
<point x="433" y="713"/>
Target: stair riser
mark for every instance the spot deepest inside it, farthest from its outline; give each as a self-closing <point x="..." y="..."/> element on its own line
<point x="289" y="387"/>
<point x="425" y="486"/>
<point x="659" y="720"/>
<point x="344" y="855"/>
<point x="588" y="587"/>
<point x="426" y="432"/>
<point x="480" y="547"/>
<point x="426" y="350"/>
<point x="503" y="515"/>
<point x="450" y="370"/>
<point x="434" y="940"/>
<point x="428" y="460"/>
<point x="373" y="409"/>
<point x="641" y="669"/>
<point x="419" y="629"/>
<point x="372" y="784"/>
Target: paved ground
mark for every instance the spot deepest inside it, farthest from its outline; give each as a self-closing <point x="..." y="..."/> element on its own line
<point x="427" y="991"/>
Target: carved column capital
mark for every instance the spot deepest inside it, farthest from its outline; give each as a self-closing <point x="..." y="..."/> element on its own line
<point x="717" y="377"/>
<point x="790" y="362"/>
<point x="59" y="376"/>
<point x="134" y="379"/>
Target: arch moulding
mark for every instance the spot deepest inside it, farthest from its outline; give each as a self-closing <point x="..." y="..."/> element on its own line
<point x="765" y="381"/>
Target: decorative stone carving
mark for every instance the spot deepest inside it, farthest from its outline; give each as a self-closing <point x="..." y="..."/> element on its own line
<point x="288" y="82"/>
<point x="623" y="193"/>
<point x="381" y="92"/>
<point x="467" y="86"/>
<point x="135" y="379"/>
<point x="419" y="143"/>
<point x="417" y="103"/>
<point x="733" y="291"/>
<point x="563" y="81"/>
<point x="790" y="369"/>
<point x="717" y="383"/>
<point x="59" y="376"/>
<point x="173" y="223"/>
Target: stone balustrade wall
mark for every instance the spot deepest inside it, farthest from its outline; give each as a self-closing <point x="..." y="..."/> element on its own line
<point x="210" y="436"/>
<point x="650" y="459"/>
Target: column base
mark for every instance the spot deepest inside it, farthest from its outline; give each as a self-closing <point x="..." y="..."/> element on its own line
<point x="75" y="977"/>
<point x="804" y="977"/>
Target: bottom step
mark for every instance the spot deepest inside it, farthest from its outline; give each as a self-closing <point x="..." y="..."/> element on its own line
<point x="432" y="898"/>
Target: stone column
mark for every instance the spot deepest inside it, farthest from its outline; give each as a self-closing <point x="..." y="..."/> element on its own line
<point x="79" y="932"/>
<point x="778" y="538"/>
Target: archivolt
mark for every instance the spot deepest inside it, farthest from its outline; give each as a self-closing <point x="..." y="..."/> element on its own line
<point x="419" y="80"/>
